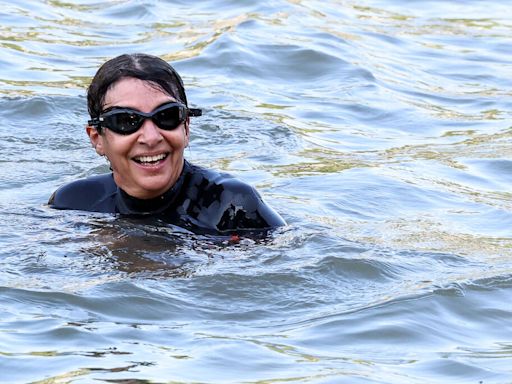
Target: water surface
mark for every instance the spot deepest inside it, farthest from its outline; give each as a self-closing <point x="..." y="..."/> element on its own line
<point x="381" y="132"/>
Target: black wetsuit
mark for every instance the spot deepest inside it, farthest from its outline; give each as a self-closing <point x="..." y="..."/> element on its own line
<point x="201" y="200"/>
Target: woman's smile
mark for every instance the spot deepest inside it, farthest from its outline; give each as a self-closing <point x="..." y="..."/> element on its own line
<point x="150" y="160"/>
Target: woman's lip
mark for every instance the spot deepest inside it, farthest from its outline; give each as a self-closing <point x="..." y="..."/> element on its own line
<point x="150" y="158"/>
<point x="153" y="167"/>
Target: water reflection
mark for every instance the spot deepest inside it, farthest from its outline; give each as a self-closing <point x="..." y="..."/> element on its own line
<point x="135" y="246"/>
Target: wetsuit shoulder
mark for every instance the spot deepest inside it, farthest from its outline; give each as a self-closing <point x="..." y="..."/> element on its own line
<point x="95" y="193"/>
<point x="226" y="203"/>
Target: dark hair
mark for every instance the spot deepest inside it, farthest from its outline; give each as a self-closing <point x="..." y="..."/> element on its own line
<point x="138" y="65"/>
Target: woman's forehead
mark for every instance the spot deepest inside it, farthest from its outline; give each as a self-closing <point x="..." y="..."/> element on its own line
<point x="135" y="93"/>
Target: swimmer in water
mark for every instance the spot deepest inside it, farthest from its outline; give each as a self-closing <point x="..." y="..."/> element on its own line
<point x="140" y="122"/>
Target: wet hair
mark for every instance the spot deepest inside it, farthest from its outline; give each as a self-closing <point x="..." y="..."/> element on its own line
<point x="138" y="65"/>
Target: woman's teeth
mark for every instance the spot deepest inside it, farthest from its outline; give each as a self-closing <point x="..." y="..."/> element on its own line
<point x="150" y="159"/>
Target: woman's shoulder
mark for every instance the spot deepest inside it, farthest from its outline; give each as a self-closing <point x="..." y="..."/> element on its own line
<point x="239" y="205"/>
<point x="89" y="194"/>
<point x="213" y="183"/>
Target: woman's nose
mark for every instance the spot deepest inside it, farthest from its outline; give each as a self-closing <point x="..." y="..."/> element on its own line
<point x="149" y="133"/>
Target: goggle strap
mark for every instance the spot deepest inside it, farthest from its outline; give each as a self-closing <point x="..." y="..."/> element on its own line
<point x="195" y="112"/>
<point x="95" y="123"/>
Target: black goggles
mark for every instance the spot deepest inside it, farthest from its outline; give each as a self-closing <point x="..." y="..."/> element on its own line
<point x="126" y="121"/>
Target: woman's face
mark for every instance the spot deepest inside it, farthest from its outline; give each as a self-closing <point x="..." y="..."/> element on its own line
<point x="147" y="162"/>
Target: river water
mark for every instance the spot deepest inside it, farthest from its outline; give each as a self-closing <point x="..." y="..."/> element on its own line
<point x="379" y="129"/>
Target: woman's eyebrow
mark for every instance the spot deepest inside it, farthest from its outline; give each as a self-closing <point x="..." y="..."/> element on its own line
<point x="114" y="107"/>
<point x="167" y="102"/>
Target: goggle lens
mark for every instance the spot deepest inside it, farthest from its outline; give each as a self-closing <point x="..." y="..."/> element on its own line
<point x="122" y="122"/>
<point x="169" y="118"/>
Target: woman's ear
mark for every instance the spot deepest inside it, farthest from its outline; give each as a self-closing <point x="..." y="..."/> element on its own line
<point x="96" y="139"/>
<point x="187" y="131"/>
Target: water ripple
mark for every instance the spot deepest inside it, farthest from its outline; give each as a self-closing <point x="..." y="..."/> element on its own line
<point x="381" y="132"/>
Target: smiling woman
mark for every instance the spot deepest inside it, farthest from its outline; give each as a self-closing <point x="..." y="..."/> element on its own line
<point x="140" y="121"/>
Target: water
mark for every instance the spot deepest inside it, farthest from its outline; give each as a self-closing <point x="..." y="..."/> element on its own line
<point x="380" y="131"/>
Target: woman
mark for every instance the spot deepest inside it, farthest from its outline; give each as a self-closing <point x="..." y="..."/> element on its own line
<point x="140" y="121"/>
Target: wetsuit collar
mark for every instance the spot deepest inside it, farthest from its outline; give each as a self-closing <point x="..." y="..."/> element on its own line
<point x="127" y="204"/>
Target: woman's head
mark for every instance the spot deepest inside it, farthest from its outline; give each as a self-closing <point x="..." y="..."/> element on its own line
<point x="141" y="66"/>
<point x="146" y="161"/>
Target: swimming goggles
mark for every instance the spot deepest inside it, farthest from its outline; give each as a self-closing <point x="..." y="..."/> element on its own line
<point x="126" y="121"/>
